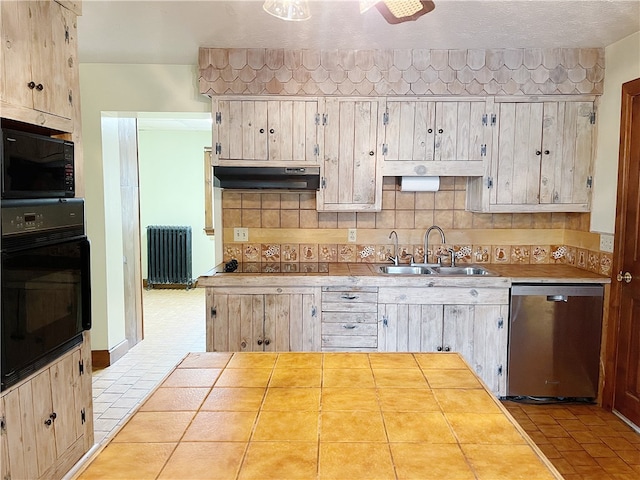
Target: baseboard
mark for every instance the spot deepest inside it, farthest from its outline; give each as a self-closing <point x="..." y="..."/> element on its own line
<point x="105" y="358"/>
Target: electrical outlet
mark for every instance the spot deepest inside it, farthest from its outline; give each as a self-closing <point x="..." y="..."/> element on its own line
<point x="606" y="243"/>
<point x="352" y="235"/>
<point x="240" y="234"/>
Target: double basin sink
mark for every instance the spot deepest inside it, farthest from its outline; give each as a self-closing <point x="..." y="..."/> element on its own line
<point x="469" y="270"/>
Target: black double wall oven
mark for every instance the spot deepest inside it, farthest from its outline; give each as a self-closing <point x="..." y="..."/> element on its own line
<point x="45" y="277"/>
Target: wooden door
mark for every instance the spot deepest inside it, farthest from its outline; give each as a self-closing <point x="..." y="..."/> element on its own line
<point x="409" y="327"/>
<point x="490" y="338"/>
<point x="516" y="170"/>
<point x="409" y="133"/>
<point x="625" y="299"/>
<point x="42" y="417"/>
<point x="235" y="323"/>
<point x="16" y="53"/>
<point x="458" y="131"/>
<point x="457" y="331"/>
<point x="64" y="380"/>
<point x="304" y="324"/>
<point x="351" y="179"/>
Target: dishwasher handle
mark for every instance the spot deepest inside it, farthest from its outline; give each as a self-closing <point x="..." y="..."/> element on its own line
<point x="557" y="298"/>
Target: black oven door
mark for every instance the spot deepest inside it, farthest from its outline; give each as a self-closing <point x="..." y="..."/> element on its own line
<point x="46" y="304"/>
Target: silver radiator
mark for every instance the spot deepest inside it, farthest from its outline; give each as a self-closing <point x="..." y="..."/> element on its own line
<point x="169" y="255"/>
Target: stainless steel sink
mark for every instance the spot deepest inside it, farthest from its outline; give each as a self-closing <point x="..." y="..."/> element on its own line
<point x="472" y="270"/>
<point x="405" y="270"/>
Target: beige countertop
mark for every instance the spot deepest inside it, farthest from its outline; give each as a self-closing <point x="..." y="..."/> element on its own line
<point x="366" y="274"/>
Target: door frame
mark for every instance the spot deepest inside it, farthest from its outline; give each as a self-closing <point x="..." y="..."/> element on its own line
<point x="629" y="90"/>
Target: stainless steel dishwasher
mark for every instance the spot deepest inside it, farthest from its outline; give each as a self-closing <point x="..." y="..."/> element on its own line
<point x="554" y="341"/>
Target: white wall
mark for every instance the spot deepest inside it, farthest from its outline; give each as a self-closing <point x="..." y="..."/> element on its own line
<point x="622" y="65"/>
<point x="128" y="89"/>
<point x="171" y="189"/>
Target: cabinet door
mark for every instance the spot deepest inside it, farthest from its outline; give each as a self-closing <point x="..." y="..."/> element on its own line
<point x="258" y="130"/>
<point x="457" y="330"/>
<point x="42" y="417"/>
<point x="409" y="328"/>
<point x="459" y="131"/>
<point x="351" y="181"/>
<point x="490" y="337"/>
<point x="39" y="51"/>
<point x="64" y="377"/>
<point x="409" y="133"/>
<point x="235" y="322"/>
<point x="18" y="438"/>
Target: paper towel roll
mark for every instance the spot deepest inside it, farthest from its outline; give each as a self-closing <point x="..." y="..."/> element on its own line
<point x="419" y="184"/>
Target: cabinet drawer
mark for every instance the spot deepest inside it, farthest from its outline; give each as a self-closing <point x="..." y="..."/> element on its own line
<point x="349" y="317"/>
<point x="349" y="297"/>
<point x="349" y="341"/>
<point x="349" y="329"/>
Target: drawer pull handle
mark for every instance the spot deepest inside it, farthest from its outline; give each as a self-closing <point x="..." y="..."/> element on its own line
<point x="346" y="296"/>
<point x="349" y="327"/>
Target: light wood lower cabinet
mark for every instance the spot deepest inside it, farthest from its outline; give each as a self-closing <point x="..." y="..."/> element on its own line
<point x="274" y="319"/>
<point x="47" y="420"/>
<point x="470" y="321"/>
<point x="349" y="318"/>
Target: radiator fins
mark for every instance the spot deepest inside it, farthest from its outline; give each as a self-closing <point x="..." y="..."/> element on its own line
<point x="169" y="256"/>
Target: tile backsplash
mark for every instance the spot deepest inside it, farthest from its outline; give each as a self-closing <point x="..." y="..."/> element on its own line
<point x="273" y="217"/>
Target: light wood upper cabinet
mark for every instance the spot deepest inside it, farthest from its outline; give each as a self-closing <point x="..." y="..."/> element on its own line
<point x="351" y="179"/>
<point x="262" y="319"/>
<point x="39" y="58"/>
<point x="541" y="160"/>
<point x="255" y="131"/>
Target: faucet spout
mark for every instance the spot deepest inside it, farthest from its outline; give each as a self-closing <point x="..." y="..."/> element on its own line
<point x="395" y="258"/>
<point x="426" y="242"/>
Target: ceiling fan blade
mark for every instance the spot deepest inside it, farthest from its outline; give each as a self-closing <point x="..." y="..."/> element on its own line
<point x="386" y="12"/>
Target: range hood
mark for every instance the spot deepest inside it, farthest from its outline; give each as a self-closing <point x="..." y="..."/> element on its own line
<point x="280" y="178"/>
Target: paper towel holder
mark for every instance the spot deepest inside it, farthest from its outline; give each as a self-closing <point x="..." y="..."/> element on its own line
<point x="420" y="184"/>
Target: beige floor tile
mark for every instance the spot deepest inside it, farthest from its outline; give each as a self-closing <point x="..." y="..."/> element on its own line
<point x="287" y="399"/>
<point x="346" y="360"/>
<point x="204" y="461"/>
<point x="451" y="379"/>
<point x="483" y="428"/>
<point x="392" y="360"/>
<point x="399" y="378"/>
<point x="428" y="427"/>
<point x="221" y="427"/>
<point x="280" y="460"/>
<point x="465" y="401"/>
<point x="299" y="360"/>
<point x="238" y="399"/>
<point x="352" y="427"/>
<point x="348" y="377"/>
<point x="192" y="377"/>
<point x="407" y="400"/>
<point x="349" y="399"/>
<point x="415" y="461"/>
<point x="439" y="361"/>
<point x="337" y="461"/>
<point x="517" y="462"/>
<point x="296" y="377"/>
<point x="295" y="426"/>
<point x="253" y="360"/>
<point x="128" y="461"/>
<point x="205" y="360"/>
<point x="172" y="399"/>
<point x="155" y="427"/>
<point x="241" y="377"/>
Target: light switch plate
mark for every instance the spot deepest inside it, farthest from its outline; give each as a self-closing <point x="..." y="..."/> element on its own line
<point x="606" y="243"/>
<point x="240" y="234"/>
<point x="352" y="235"/>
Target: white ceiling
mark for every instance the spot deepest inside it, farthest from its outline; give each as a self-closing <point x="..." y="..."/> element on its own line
<point x="170" y="31"/>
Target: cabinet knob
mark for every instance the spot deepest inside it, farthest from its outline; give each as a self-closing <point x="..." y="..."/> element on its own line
<point x="440" y="130"/>
<point x="371" y="153"/>
<point x="547" y="152"/>
<point x="31" y="85"/>
<point x="48" y="422"/>
<point x="39" y="87"/>
<point x="447" y="349"/>
<point x="538" y="152"/>
<point x="53" y="416"/>
<point x="272" y="131"/>
<point x="439" y="348"/>
<point x="262" y="130"/>
<point x="259" y="341"/>
<point x="267" y="341"/>
<point x="430" y="130"/>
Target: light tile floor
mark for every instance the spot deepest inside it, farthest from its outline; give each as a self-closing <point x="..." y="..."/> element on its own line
<point x="173" y="326"/>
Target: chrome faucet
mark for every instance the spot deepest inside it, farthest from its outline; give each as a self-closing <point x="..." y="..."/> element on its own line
<point x="426" y="242"/>
<point x="395" y="258"/>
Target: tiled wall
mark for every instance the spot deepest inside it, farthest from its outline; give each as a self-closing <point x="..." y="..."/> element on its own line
<point x="275" y="214"/>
